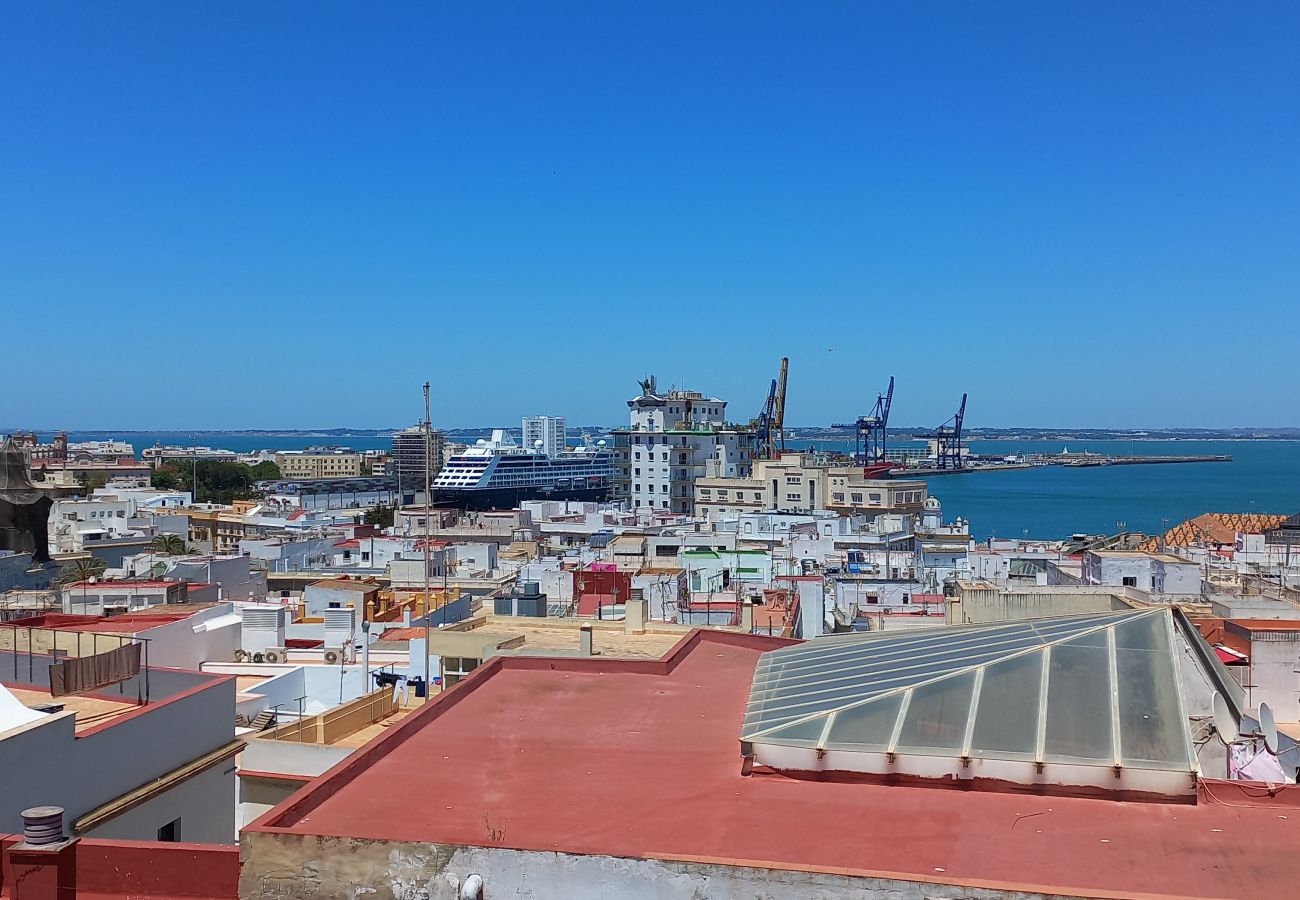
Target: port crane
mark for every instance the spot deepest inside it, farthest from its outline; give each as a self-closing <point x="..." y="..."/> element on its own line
<point x="947" y="441"/>
<point x="870" y="433"/>
<point x="769" y="427"/>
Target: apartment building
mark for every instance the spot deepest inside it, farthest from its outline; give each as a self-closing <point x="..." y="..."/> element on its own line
<point x="674" y="439"/>
<point x="319" y="463"/>
<point x="850" y="493"/>
<point x="726" y="498"/>
<point x="406" y="461"/>
<point x="546" y="433"/>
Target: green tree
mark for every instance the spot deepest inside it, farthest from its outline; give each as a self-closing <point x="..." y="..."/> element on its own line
<point x="89" y="481"/>
<point x="81" y="568"/>
<point x="266" y="470"/>
<point x="381" y="516"/>
<point x="171" y="544"/>
<point x="165" y="477"/>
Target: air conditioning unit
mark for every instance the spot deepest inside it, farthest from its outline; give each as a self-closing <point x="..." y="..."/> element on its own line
<point x="333" y="656"/>
<point x="241" y="656"/>
<point x="275" y="655"/>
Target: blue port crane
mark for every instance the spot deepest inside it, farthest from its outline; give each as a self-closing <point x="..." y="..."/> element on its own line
<point x="870" y="431"/>
<point x="947" y="441"/>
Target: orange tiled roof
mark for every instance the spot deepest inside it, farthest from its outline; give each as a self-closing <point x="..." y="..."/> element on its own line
<point x="1214" y="528"/>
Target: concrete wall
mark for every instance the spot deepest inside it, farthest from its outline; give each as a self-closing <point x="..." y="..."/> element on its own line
<point x="1274" y="661"/>
<point x="15" y="574"/>
<point x="319" y="597"/>
<point x="177" y="645"/>
<point x="319" y="686"/>
<point x="45" y="763"/>
<point x="290" y="757"/>
<point x="200" y="803"/>
<point x="993" y="605"/>
<point x="337" y="868"/>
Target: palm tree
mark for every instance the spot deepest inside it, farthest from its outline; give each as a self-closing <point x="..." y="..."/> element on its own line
<point x="171" y="544"/>
<point x="81" y="569"/>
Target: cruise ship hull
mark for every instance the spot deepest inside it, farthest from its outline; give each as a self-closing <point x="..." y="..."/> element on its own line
<point x="510" y="497"/>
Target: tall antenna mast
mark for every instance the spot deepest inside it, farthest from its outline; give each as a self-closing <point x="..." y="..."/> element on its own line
<point x="428" y="614"/>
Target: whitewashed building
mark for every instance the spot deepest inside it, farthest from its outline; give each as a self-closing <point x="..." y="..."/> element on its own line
<point x="549" y="430"/>
<point x="673" y="439"/>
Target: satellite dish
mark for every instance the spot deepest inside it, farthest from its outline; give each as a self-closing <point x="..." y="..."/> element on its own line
<point x="1268" y="728"/>
<point x="537" y="443"/>
<point x="1224" y="724"/>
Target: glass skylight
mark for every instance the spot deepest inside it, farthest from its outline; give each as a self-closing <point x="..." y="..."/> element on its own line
<point x="1096" y="690"/>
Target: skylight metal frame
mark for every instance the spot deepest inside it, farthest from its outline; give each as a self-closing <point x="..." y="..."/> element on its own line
<point x="769" y="721"/>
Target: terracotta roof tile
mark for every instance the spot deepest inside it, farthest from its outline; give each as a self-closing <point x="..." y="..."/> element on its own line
<point x="1215" y="528"/>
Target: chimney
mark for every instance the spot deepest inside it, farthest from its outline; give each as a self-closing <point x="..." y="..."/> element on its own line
<point x="42" y="825"/>
<point x="584" y="639"/>
<point x="747" y="615"/>
<point x="45" y="862"/>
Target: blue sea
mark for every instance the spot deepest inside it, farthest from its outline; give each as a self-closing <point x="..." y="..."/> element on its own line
<point x="1046" y="502"/>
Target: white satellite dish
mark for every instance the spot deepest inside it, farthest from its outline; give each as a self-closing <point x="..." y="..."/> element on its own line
<point x="537" y="443"/>
<point x="1268" y="728"/>
<point x="1224" y="723"/>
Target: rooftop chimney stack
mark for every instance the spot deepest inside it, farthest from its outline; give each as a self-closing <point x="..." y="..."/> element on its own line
<point x="584" y="639"/>
<point x="42" y="825"/>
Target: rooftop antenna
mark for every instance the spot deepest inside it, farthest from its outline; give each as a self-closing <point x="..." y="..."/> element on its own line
<point x="1225" y="724"/>
<point x="1268" y="728"/>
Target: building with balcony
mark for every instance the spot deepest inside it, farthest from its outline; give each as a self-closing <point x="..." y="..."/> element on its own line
<point x="549" y="430"/>
<point x="673" y="439"/>
<point x="334" y="463"/>
<point x="406" y="462"/>
<point x="850" y="493"/>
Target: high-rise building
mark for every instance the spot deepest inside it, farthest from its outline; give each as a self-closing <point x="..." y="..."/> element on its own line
<point x="550" y="430"/>
<point x="407" y="462"/>
<point x="674" y="438"/>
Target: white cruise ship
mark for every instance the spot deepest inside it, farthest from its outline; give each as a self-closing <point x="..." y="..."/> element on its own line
<point x="498" y="474"/>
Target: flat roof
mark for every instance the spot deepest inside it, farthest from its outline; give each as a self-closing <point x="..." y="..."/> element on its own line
<point x="342" y="584"/>
<point x="91" y="709"/>
<point x="1266" y="624"/>
<point x="126" y="623"/>
<point x="555" y="753"/>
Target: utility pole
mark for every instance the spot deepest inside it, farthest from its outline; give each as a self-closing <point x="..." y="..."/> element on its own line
<point x="428" y="687"/>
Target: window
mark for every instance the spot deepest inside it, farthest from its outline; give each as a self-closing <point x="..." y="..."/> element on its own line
<point x="875" y="498"/>
<point x="792" y="497"/>
<point x="857" y="498"/>
<point x="665" y="457"/>
<point x="637" y="454"/>
<point x="1130" y="582"/>
<point x="838" y="497"/>
<point x="170" y="832"/>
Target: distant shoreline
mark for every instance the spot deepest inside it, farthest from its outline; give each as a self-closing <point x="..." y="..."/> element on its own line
<point x="792" y="433"/>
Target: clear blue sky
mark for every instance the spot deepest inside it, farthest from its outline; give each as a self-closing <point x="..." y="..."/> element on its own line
<point x="290" y="215"/>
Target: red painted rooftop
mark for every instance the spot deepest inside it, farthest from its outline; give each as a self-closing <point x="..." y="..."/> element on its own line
<point x="127" y="623"/>
<point x="640" y="758"/>
<point x="1268" y="624"/>
<point x="101" y="583"/>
